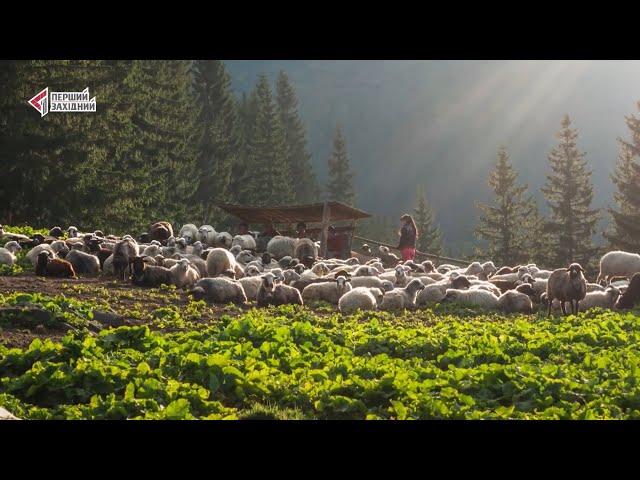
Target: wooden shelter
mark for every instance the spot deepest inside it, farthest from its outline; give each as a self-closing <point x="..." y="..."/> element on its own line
<point x="317" y="216"/>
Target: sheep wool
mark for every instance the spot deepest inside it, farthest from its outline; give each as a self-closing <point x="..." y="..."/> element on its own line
<point x="360" y="298"/>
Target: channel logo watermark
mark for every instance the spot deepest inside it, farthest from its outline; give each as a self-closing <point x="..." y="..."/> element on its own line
<point x="45" y="102"/>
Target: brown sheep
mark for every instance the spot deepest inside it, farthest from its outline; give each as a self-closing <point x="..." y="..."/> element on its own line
<point x="149" y="275"/>
<point x="566" y="285"/>
<point x="160" y="231"/>
<point x="505" y="270"/>
<point x="631" y="296"/>
<point x="54" y="267"/>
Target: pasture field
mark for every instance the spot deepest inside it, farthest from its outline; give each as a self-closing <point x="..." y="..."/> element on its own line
<point x="100" y="349"/>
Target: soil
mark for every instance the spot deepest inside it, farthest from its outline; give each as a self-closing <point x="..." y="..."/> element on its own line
<point x="119" y="297"/>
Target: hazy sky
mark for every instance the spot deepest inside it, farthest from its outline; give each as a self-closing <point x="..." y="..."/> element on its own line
<point x="440" y="123"/>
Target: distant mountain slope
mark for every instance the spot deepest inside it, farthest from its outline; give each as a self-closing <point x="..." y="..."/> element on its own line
<point x="440" y="123"/>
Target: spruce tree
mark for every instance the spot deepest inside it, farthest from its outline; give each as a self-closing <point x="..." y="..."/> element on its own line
<point x="625" y="229"/>
<point x="569" y="193"/>
<point x="303" y="178"/>
<point x="270" y="181"/>
<point x="429" y="234"/>
<point x="501" y="224"/>
<point x="239" y="186"/>
<point x="340" y="184"/>
<point x="218" y="132"/>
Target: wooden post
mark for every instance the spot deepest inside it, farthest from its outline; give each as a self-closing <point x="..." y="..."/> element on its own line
<point x="326" y="216"/>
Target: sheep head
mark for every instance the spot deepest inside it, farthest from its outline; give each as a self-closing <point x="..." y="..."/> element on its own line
<point x="575" y="270"/>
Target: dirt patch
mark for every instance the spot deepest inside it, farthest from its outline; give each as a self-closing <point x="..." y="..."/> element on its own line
<point x="132" y="303"/>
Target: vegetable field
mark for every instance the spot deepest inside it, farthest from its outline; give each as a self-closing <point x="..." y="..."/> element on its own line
<point x="186" y="361"/>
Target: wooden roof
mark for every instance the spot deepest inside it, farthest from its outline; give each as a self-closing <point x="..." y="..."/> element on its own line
<point x="294" y="213"/>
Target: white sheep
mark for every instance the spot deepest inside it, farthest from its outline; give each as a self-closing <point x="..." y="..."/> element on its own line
<point x="434" y="293"/>
<point x="618" y="264"/>
<point x="251" y="285"/>
<point x="207" y="235"/>
<point x="360" y="298"/>
<point x="220" y="260"/>
<point x="369" y="282"/>
<point x="219" y="290"/>
<point x="184" y="274"/>
<point x="281" y="246"/>
<point x="189" y="232"/>
<point x="601" y="299"/>
<point x="83" y="262"/>
<point x="476" y="298"/>
<point x="326" y="291"/>
<point x="223" y="240"/>
<point x="400" y="298"/>
<point x="7" y="254"/>
<point x="513" y="301"/>
<point x="32" y="254"/>
<point x="246" y="242"/>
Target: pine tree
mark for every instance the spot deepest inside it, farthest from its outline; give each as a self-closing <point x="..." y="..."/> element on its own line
<point x="501" y="224"/>
<point x="625" y="229"/>
<point x="537" y="246"/>
<point x="219" y="136"/>
<point x="239" y="186"/>
<point x="304" y="180"/>
<point x="429" y="235"/>
<point x="569" y="194"/>
<point x="270" y="183"/>
<point x="340" y="184"/>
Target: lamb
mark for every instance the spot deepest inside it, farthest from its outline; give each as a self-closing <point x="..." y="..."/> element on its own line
<point x="271" y="294"/>
<point x="189" y="232"/>
<point x="567" y="285"/>
<point x="326" y="291"/>
<point x="601" y="299"/>
<point x="247" y="242"/>
<point x="389" y="260"/>
<point x="514" y="301"/>
<point x="360" y="298"/>
<point x="184" y="274"/>
<point x="235" y="250"/>
<point x="402" y="279"/>
<point x="281" y="246"/>
<point x="219" y="260"/>
<point x="83" y="262"/>
<point x="477" y="298"/>
<point x="219" y="290"/>
<point x="149" y="275"/>
<point x="618" y="263"/>
<point x="7" y="254"/>
<point x="207" y="235"/>
<point x="488" y="269"/>
<point x="152" y="250"/>
<point x="123" y="254"/>
<point x="47" y="265"/>
<point x="400" y="298"/>
<point x="631" y="296"/>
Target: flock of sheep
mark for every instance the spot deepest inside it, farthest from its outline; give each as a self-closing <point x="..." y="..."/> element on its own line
<point x="221" y="268"/>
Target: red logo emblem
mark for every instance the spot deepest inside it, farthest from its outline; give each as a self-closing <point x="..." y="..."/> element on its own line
<point x="41" y="102"/>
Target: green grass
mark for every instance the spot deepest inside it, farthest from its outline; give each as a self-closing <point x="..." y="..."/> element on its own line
<point x="292" y="363"/>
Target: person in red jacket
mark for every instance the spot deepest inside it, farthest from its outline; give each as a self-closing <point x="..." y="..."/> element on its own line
<point x="408" y="236"/>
